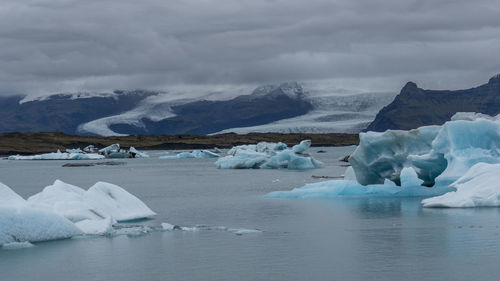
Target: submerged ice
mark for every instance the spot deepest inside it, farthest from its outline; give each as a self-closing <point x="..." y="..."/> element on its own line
<point x="265" y="155"/>
<point x="458" y="157"/>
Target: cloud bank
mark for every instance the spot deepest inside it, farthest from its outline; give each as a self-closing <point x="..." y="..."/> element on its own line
<point x="71" y="45"/>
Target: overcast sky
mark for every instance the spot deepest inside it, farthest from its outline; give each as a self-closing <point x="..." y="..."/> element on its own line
<point x="72" y="45"/>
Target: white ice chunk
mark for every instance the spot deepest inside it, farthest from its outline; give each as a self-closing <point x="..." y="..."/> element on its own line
<point x="479" y="187"/>
<point x="66" y="200"/>
<point x="111" y="148"/>
<point x="192" y="154"/>
<point x="113" y="200"/>
<point x="302" y="146"/>
<point x="242" y="231"/>
<point x="242" y="160"/>
<point x="269" y="156"/>
<point x="19" y="222"/>
<point x="168" y="227"/>
<point x="99" y="202"/>
<point x="58" y="156"/>
<point x="17" y="245"/>
<point x="96" y="226"/>
<point x="137" y="153"/>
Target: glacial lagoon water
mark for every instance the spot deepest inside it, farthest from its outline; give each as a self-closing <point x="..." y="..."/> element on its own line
<point x="335" y="239"/>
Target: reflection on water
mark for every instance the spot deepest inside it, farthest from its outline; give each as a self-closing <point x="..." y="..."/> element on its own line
<point x="338" y="239"/>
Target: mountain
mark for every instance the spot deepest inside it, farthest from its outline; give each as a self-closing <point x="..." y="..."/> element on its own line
<point x="285" y="108"/>
<point x="63" y="112"/>
<point x="415" y="107"/>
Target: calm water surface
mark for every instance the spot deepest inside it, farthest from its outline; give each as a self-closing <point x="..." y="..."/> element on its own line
<point x="341" y="239"/>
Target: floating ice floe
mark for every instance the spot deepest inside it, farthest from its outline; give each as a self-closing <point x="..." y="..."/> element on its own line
<point x="266" y="155"/>
<point x="192" y="154"/>
<point x="137" y="154"/>
<point x="19" y="222"/>
<point x="428" y="161"/>
<point x="58" y="156"/>
<point x="99" y="202"/>
<point x="62" y="211"/>
<point x="76" y="150"/>
<point x="479" y="187"/>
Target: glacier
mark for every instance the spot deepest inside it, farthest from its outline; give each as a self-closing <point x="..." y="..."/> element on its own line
<point x="455" y="163"/>
<point x="192" y="154"/>
<point x="335" y="110"/>
<point x="265" y="155"/>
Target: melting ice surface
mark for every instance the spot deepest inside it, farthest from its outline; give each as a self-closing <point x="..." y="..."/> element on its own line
<point x="265" y="155"/>
<point x="192" y="154"/>
<point x="403" y="163"/>
<point x="73" y="155"/>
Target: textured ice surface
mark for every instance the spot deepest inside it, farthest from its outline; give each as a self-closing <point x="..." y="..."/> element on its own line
<point x="265" y="155"/>
<point x="347" y="188"/>
<point x="116" y="202"/>
<point x="17" y="245"/>
<point x="192" y="154"/>
<point x="66" y="200"/>
<point x="381" y="156"/>
<point x="62" y="211"/>
<point x="111" y="148"/>
<point x="137" y="153"/>
<point x="479" y="187"/>
<point x="96" y="226"/>
<point x="403" y="163"/>
<point x="58" y="156"/>
<point x="100" y="201"/>
<point x="437" y="153"/>
<point x="19" y="222"/>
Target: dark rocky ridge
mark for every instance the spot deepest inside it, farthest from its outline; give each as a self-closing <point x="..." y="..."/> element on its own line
<point x="415" y="107"/>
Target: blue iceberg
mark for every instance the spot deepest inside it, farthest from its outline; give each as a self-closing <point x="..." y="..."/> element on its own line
<point x="265" y="155"/>
<point x="428" y="161"/>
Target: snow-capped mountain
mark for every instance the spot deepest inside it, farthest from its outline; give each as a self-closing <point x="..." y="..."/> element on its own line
<point x="288" y="107"/>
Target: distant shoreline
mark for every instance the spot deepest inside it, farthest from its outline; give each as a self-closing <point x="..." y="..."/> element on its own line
<point x="44" y="142"/>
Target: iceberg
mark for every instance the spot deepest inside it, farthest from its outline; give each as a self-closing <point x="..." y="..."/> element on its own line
<point x="58" y="156"/>
<point x="350" y="188"/>
<point x="19" y="222"/>
<point x="265" y="155"/>
<point x="137" y="154"/>
<point x="192" y="154"/>
<point x="62" y="211"/>
<point x="263" y="147"/>
<point x="96" y="227"/>
<point x="109" y="149"/>
<point x="479" y="187"/>
<point x="76" y="150"/>
<point x="99" y="202"/>
<point x="458" y="157"/>
<point x="116" y="202"/>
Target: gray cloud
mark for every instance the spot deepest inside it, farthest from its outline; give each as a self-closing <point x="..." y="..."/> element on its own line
<point x="70" y="45"/>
